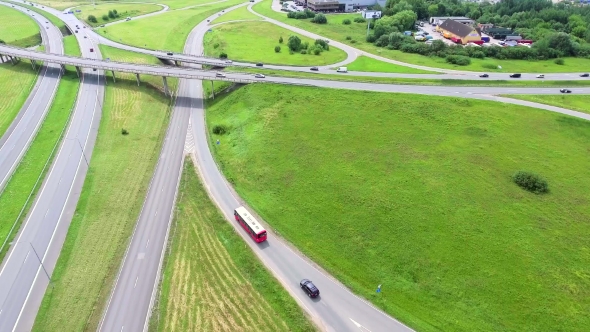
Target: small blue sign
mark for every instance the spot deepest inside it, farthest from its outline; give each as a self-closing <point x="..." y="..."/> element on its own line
<point x="379" y="289"/>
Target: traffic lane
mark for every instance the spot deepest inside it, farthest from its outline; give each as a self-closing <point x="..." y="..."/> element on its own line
<point x="132" y="295"/>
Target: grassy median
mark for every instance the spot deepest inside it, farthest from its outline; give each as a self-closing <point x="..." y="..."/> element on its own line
<point x="416" y="194"/>
<point x="113" y="193"/>
<point x="579" y="103"/>
<point x="123" y="11"/>
<point x="18" y="28"/>
<point x="211" y="280"/>
<point x="16" y="82"/>
<point x="241" y="13"/>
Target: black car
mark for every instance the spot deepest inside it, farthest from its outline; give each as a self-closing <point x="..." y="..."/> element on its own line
<point x="484" y="75"/>
<point x="515" y="75"/>
<point x="169" y="53"/>
<point x="565" y="91"/>
<point x="309" y="288"/>
<point x="314" y="68"/>
<point x="259" y="64"/>
<point x="585" y="75"/>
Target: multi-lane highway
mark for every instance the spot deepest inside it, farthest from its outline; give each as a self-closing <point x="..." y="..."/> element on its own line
<point x="23" y="279"/>
<point x="20" y="134"/>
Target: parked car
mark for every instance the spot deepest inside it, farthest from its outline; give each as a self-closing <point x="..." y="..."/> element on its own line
<point x="220" y="74"/>
<point x="314" y="68"/>
<point x="309" y="288"/>
<point x="259" y="76"/>
<point x="484" y="75"/>
<point x="540" y="76"/>
<point x="585" y="75"/>
<point x="565" y="91"/>
<point x="515" y="75"/>
<point x="259" y="64"/>
<point x="169" y="53"/>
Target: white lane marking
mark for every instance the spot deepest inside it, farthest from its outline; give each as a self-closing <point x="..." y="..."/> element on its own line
<point x="148" y="242"/>
<point x="156" y="213"/>
<point x="359" y="325"/>
<point x="122" y="328"/>
<point x="135" y="281"/>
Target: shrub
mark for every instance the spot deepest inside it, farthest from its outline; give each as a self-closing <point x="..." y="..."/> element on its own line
<point x="346" y="22"/>
<point x="281" y="40"/>
<point x="277" y="49"/>
<point x="309" y="13"/>
<point x="490" y="66"/>
<point x="300" y="15"/>
<point x="305" y="45"/>
<point x="219" y="129"/>
<point x="459" y="60"/>
<point x="223" y="55"/>
<point x="353" y="41"/>
<point x="559" y="61"/>
<point x="92" y="18"/>
<point x="115" y="12"/>
<point x="317" y="51"/>
<point x="371" y="38"/>
<point x="294" y="43"/>
<point x="2" y="41"/>
<point x="319" y="19"/>
<point x="348" y="37"/>
<point x="531" y="182"/>
<point x="303" y="52"/>
<point x="124" y="132"/>
<point x="111" y="14"/>
<point x="359" y="20"/>
<point x="323" y="44"/>
<point x="105" y="17"/>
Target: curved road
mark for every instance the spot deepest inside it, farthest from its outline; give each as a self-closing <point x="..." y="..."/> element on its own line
<point x="16" y="140"/>
<point x="23" y="279"/>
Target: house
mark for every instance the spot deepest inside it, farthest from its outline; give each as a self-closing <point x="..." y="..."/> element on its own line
<point x="440" y="20"/>
<point x="455" y="30"/>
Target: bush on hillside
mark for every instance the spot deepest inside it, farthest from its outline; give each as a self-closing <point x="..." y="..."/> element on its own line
<point x="223" y="55"/>
<point x="219" y="129"/>
<point x="105" y="17"/>
<point x="111" y="14"/>
<point x="359" y="20"/>
<point x="277" y="49"/>
<point x="348" y="37"/>
<point x="124" y="132"/>
<point x="281" y="40"/>
<point x="346" y="22"/>
<point x="323" y="44"/>
<point x="559" y="61"/>
<point x="92" y="18"/>
<point x="319" y="19"/>
<point x="531" y="182"/>
<point x="459" y="60"/>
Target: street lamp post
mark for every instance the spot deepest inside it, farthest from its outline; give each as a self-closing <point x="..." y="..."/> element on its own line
<point x="37" y="255"/>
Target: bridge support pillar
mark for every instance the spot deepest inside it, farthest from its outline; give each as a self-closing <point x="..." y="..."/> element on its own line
<point x="12" y="60"/>
<point x="166" y="91"/>
<point x="137" y="76"/>
<point x="34" y="64"/>
<point x="176" y="63"/>
<point x="2" y="58"/>
<point x="112" y="71"/>
<point x="63" y="68"/>
<point x="78" y="71"/>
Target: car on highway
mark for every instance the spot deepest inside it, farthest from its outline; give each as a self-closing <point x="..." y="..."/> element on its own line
<point x="85" y="37"/>
<point x="259" y="76"/>
<point x="309" y="288"/>
<point x="565" y="91"/>
<point x="91" y="50"/>
<point x="540" y="76"/>
<point x="93" y="69"/>
<point x="228" y="61"/>
<point x="484" y="75"/>
<point x="259" y="64"/>
<point x="102" y="26"/>
<point x="314" y="68"/>
<point x="76" y="31"/>
<point x="585" y="75"/>
<point x="220" y="74"/>
<point x="169" y="53"/>
<point x="515" y="75"/>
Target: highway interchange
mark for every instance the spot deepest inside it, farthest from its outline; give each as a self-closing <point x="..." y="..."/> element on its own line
<point x="22" y="282"/>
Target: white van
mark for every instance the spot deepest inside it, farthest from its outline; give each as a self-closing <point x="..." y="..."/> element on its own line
<point x="342" y="70"/>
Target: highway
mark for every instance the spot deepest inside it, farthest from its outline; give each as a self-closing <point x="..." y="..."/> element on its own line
<point x="17" y="138"/>
<point x="23" y="279"/>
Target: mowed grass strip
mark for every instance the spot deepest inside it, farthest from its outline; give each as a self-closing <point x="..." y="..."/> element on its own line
<point x="113" y="193"/>
<point x="123" y="11"/>
<point x="364" y="63"/>
<point x="24" y="181"/>
<point x="16" y="82"/>
<point x="52" y="18"/>
<point x="415" y="194"/>
<point x="579" y="103"/>
<point x="212" y="281"/>
<point x="167" y="31"/>
<point x="256" y="41"/>
<point x="71" y="46"/>
<point x="241" y="13"/>
<point x="18" y="28"/>
<point x="408" y="81"/>
<point x="335" y="30"/>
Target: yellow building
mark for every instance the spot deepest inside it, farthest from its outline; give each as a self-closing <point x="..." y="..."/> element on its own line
<point x="465" y="32"/>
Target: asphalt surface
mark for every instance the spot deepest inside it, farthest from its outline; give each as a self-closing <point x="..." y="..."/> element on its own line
<point x="16" y="140"/>
<point x="23" y="279"/>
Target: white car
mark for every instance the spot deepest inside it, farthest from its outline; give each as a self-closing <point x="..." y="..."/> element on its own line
<point x="220" y="74"/>
<point x="540" y="76"/>
<point x="228" y="61"/>
<point x="259" y="76"/>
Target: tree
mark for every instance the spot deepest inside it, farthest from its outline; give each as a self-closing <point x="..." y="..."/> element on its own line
<point x="432" y="10"/>
<point x="322" y="43"/>
<point x="579" y="31"/>
<point x="105" y="17"/>
<point x="294" y="43"/>
<point x="277" y="49"/>
<point x="223" y="55"/>
<point x="401" y="6"/>
<point x="111" y="14"/>
<point x="281" y="40"/>
<point x="115" y="12"/>
<point x="92" y="18"/>
<point x="319" y="19"/>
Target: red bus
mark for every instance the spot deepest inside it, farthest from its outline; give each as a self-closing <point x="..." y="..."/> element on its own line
<point x="251" y="225"/>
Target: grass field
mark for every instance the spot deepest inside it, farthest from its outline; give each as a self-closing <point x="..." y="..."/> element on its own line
<point x="409" y="81"/>
<point x="211" y="280"/>
<point x="579" y="103"/>
<point x="17" y="28"/>
<point x="71" y="46"/>
<point x="24" y="180"/>
<point x="16" y="83"/>
<point x="167" y="31"/>
<point x="364" y="63"/>
<point x="123" y="10"/>
<point x="416" y="194"/>
<point x="255" y="41"/>
<point x="112" y="196"/>
<point x="241" y="13"/>
<point x="173" y="4"/>
<point x="357" y="31"/>
<point x="52" y="18"/>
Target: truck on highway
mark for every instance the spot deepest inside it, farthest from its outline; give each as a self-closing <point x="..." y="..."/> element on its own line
<point x="342" y="70"/>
